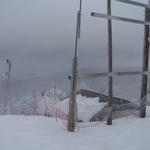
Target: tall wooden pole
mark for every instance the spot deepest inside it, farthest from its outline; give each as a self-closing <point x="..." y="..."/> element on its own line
<point x="8" y="98"/>
<point x="34" y="97"/>
<point x="72" y="101"/>
<point x="110" y="66"/>
<point x="145" y="64"/>
<point x="45" y="105"/>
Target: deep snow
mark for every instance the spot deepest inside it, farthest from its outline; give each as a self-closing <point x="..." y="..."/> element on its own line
<point x="40" y="133"/>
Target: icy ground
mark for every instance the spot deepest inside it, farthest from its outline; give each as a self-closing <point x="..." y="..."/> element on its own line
<point x="40" y="133"/>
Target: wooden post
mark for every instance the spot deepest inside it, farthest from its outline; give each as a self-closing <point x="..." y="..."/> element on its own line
<point x="45" y="105"/>
<point x="8" y="98"/>
<point x="72" y="102"/>
<point x="145" y="64"/>
<point x="34" y="98"/>
<point x="110" y="79"/>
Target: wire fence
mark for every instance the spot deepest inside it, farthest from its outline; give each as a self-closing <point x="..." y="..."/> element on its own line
<point x="89" y="115"/>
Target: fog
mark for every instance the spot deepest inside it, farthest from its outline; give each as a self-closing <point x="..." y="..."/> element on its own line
<point x="39" y="36"/>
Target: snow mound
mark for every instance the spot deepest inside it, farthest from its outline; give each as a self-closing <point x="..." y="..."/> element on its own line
<point x="86" y="107"/>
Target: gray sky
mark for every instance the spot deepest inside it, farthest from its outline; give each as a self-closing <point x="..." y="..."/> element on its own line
<point x="39" y="36"/>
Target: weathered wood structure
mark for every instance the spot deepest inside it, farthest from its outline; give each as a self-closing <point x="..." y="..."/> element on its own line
<point x="144" y="71"/>
<point x="146" y="24"/>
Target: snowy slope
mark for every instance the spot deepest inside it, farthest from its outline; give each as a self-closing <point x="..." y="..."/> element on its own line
<point x="39" y="133"/>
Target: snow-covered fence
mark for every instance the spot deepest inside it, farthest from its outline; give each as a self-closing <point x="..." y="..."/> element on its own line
<point x="89" y="111"/>
<point x="85" y="109"/>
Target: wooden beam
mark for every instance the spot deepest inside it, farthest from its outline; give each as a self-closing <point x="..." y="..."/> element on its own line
<point x="72" y="102"/>
<point x="127" y="73"/>
<point x="110" y="68"/>
<point x="92" y="75"/>
<point x="100" y="15"/>
<point x="105" y="74"/>
<point x="132" y="3"/>
<point x="145" y="66"/>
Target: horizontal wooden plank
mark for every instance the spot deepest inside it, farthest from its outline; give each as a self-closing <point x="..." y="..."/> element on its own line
<point x="100" y="15"/>
<point x="132" y="3"/>
<point x="105" y="74"/>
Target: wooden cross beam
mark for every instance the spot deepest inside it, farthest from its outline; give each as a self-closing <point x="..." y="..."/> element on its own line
<point x="132" y="3"/>
<point x="100" y="15"/>
<point x="105" y="74"/>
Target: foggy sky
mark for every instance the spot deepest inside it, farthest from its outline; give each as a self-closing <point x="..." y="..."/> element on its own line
<point x="39" y="36"/>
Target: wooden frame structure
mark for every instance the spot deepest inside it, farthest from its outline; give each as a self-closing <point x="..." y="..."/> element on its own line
<point x="146" y="24"/>
<point x="75" y="76"/>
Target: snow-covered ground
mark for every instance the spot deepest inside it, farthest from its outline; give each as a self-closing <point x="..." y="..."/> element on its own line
<point x="40" y="133"/>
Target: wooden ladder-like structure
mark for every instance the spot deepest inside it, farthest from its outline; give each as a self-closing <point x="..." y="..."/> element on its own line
<point x="144" y="72"/>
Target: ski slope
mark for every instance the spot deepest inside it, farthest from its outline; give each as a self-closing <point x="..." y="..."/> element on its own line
<point x="40" y="133"/>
